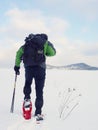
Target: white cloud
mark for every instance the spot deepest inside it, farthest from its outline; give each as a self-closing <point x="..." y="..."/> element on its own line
<point x="91" y="50"/>
<point x="23" y="22"/>
<point x="79" y="51"/>
<point x="31" y="21"/>
<point x="87" y="8"/>
<point x="83" y="8"/>
<point x="85" y="29"/>
<point x="34" y="21"/>
<point x="7" y="57"/>
<point x="52" y="2"/>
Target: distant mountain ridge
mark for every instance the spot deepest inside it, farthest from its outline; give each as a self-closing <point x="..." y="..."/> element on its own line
<point x="77" y="66"/>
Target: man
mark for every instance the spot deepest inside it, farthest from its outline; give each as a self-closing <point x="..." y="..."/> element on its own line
<point x="33" y="53"/>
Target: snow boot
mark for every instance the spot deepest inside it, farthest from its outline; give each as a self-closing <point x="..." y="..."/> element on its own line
<point x="27" y="109"/>
<point x="39" y="117"/>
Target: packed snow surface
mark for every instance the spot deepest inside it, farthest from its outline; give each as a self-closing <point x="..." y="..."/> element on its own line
<point x="70" y="101"/>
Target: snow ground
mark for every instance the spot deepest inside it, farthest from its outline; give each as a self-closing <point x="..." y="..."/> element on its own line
<point x="64" y="91"/>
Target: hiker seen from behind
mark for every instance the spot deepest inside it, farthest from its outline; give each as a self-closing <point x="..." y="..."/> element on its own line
<point x="33" y="54"/>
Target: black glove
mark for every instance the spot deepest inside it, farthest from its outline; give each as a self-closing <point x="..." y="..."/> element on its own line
<point x="16" y="69"/>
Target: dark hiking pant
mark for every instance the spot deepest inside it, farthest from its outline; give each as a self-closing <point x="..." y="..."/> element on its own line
<point x="38" y="74"/>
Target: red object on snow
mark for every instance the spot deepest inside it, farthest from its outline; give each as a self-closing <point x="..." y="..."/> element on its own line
<point x="27" y="111"/>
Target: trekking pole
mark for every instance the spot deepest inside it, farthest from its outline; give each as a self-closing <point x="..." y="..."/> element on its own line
<point x="13" y="97"/>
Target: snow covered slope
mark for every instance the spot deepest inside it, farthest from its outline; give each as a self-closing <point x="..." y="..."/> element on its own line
<point x="71" y="101"/>
<point x="77" y="66"/>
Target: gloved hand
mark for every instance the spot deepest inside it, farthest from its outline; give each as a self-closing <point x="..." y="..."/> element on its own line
<point x="16" y="69"/>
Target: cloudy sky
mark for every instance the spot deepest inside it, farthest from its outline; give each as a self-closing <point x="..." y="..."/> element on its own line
<point x="72" y="26"/>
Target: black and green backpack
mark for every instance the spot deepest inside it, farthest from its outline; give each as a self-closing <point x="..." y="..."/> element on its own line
<point x="34" y="49"/>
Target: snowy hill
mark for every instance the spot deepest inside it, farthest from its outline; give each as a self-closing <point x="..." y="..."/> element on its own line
<point x="77" y="66"/>
<point x="81" y="66"/>
<point x="70" y="101"/>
